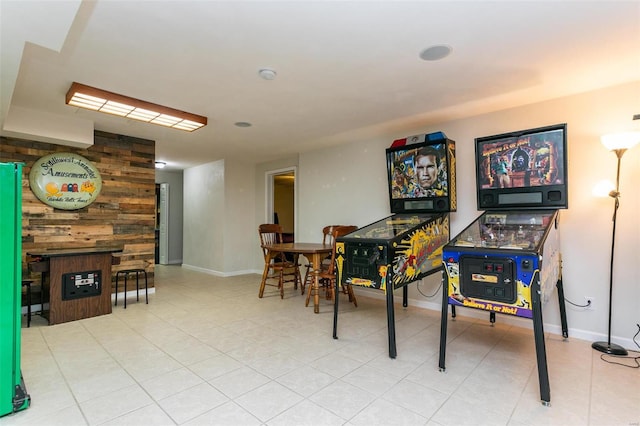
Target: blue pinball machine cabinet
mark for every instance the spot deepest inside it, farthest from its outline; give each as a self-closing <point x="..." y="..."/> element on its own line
<point x="508" y="260"/>
<point x="405" y="247"/>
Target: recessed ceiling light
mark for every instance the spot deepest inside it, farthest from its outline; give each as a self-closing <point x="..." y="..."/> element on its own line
<point x="436" y="52"/>
<point x="267" y="73"/>
<point x="242" y="124"/>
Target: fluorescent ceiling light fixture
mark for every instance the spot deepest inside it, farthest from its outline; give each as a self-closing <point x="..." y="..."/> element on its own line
<point x="100" y="100"/>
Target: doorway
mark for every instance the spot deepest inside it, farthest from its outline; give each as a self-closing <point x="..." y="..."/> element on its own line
<point x="281" y="201"/>
<point x="162" y="224"/>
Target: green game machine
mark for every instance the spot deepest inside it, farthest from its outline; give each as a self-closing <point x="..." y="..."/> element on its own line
<point x="13" y="393"/>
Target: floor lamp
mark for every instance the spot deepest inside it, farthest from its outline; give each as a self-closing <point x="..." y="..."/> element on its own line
<point x="618" y="143"/>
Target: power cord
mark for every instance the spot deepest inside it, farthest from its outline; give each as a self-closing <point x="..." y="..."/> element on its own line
<point x="576" y="305"/>
<point x="635" y="359"/>
<point x="434" y="293"/>
<point x="438" y="289"/>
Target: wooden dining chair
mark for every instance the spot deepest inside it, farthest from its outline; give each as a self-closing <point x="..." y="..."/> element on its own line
<point x="278" y="270"/>
<point x="327" y="277"/>
<point x="327" y="238"/>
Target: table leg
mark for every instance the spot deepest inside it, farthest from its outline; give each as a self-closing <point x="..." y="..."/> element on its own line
<point x="316" y="283"/>
<point x="264" y="275"/>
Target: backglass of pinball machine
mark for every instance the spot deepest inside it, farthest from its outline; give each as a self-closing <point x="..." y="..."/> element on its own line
<point x="400" y="249"/>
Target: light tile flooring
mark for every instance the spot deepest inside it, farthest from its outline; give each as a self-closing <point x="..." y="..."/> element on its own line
<point x="207" y="351"/>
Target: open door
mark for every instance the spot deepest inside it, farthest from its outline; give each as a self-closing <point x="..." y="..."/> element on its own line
<point x="281" y="194"/>
<point x="163" y="224"/>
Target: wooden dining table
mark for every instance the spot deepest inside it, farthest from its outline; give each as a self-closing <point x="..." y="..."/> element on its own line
<point x="314" y="252"/>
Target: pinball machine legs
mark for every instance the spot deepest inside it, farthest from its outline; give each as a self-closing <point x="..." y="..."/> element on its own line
<point x="443" y="322"/>
<point x="563" y="309"/>
<point x="391" y="322"/>
<point x="541" y="352"/>
<point x="390" y="318"/>
<point x="538" y="334"/>
<point x="391" y="328"/>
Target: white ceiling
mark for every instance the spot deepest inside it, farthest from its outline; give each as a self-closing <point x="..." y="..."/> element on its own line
<point x="346" y="70"/>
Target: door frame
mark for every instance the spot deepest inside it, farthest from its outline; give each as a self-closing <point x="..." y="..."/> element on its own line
<point x="163" y="226"/>
<point x="269" y="194"/>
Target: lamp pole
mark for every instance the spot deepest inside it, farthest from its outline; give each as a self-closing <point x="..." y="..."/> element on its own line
<point x="608" y="347"/>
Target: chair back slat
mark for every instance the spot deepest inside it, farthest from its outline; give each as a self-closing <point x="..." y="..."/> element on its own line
<point x="327" y="234"/>
<point x="277" y="267"/>
<point x="338" y="231"/>
<point x="270" y="234"/>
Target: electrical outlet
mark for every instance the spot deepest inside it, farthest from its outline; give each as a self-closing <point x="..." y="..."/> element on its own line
<point x="590" y="302"/>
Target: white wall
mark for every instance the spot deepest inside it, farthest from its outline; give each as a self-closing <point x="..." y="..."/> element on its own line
<point x="239" y="207"/>
<point x="204" y="217"/>
<point x="176" y="200"/>
<point x="219" y="208"/>
<point x="347" y="184"/>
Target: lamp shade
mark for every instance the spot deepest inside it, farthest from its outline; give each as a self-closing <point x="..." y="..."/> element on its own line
<point x="625" y="140"/>
<point x="603" y="188"/>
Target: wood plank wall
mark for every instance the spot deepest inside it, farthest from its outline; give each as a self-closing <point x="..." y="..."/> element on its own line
<point x="123" y="215"/>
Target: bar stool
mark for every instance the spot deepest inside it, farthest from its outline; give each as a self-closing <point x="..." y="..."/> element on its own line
<point x="126" y="273"/>
<point x="27" y="284"/>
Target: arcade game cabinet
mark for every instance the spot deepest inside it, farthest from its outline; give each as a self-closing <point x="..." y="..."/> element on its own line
<point x="13" y="393"/>
<point x="508" y="260"/>
<point x="395" y="251"/>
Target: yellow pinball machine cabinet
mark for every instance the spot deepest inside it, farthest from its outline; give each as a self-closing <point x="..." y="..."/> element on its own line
<point x="405" y="247"/>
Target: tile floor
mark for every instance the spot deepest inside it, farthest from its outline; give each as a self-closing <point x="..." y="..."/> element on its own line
<point x="207" y="351"/>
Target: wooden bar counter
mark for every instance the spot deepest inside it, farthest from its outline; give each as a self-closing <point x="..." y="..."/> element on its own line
<point x="76" y="282"/>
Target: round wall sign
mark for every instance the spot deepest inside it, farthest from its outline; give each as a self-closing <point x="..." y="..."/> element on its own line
<point x="65" y="181"/>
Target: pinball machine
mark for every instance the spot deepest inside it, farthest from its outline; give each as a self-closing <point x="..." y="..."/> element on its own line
<point x="400" y="249"/>
<point x="508" y="260"/>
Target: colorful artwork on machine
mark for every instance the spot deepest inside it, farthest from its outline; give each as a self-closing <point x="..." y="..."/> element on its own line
<point x="521" y="307"/>
<point x="522" y="161"/>
<point x="420" y="251"/>
<point x="419" y="172"/>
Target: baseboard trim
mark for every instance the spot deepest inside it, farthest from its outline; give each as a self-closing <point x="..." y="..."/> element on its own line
<point x="131" y="293"/>
<point x="217" y="273"/>
<point x="576" y="333"/>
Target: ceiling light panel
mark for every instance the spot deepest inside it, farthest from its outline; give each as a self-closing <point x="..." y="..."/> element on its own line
<point x="100" y="100"/>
